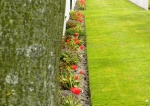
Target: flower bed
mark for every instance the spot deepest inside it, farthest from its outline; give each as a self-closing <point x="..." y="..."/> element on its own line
<point x="73" y="73"/>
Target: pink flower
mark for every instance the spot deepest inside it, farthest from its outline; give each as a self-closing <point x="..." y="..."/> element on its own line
<point x="75" y="90"/>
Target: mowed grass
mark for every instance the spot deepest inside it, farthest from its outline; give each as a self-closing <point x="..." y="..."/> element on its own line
<point x="118" y="48"/>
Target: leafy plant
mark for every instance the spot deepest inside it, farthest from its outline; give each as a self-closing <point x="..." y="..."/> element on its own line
<point x="71" y="31"/>
<point x="72" y="44"/>
<point x="80" y="4"/>
<point x="69" y="58"/>
<point x="73" y="15"/>
<point x="69" y="100"/>
<point x="71" y="24"/>
<point x="78" y="28"/>
<point x="67" y="80"/>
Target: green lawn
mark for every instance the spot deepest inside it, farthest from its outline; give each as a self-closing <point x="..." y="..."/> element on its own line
<point x="118" y="48"/>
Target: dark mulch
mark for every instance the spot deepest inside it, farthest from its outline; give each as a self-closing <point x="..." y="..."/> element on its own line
<point x="85" y="95"/>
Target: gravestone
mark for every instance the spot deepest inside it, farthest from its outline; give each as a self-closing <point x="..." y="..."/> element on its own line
<point x="141" y="3"/>
<point x="30" y="44"/>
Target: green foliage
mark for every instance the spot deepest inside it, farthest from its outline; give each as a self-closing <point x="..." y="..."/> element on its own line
<point x="79" y="28"/>
<point x="74" y="25"/>
<point x="69" y="57"/>
<point x="74" y="15"/>
<point x="80" y="6"/>
<point x="71" y="31"/>
<point x="69" y="100"/>
<point x="67" y="80"/>
<point x="71" y="24"/>
<point x="71" y="44"/>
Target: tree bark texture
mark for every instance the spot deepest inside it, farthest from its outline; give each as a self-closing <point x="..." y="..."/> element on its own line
<point x="30" y="44"/>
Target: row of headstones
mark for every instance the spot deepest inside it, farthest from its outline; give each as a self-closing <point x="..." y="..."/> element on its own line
<point x="141" y="3"/>
<point x="70" y="4"/>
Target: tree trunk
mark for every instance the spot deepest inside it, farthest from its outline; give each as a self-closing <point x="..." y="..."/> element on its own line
<point x="30" y="44"/>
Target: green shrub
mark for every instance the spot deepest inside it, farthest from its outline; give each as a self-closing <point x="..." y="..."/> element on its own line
<point x="72" y="31"/>
<point x="80" y="5"/>
<point x="74" y="15"/>
<point x="71" y="24"/>
<point x="67" y="80"/>
<point x="69" y="100"/>
<point x="69" y="58"/>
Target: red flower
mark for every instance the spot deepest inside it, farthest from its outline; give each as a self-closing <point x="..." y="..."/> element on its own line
<point x="80" y="72"/>
<point x="81" y="47"/>
<point x="68" y="40"/>
<point x="75" y="39"/>
<point x="79" y="19"/>
<point x="82" y="2"/>
<point x="79" y="14"/>
<point x="76" y="34"/>
<point x="75" y="90"/>
<point x="82" y="16"/>
<point x="74" y="67"/>
<point x="77" y="42"/>
<point x="76" y="77"/>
